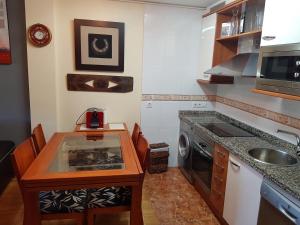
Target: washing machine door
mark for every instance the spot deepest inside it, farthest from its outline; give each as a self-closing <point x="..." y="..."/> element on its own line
<point x="184" y="145"/>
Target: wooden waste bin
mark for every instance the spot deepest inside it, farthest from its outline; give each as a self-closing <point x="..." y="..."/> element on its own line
<point x="159" y="155"/>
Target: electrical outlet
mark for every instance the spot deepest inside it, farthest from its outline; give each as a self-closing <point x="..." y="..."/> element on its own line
<point x="198" y="105"/>
<point x="149" y="105"/>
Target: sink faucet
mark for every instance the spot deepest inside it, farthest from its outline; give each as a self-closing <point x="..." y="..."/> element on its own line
<point x="295" y="135"/>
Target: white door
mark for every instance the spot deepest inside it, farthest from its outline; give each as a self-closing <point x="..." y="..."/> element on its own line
<point x="242" y="195"/>
<point x="281" y="22"/>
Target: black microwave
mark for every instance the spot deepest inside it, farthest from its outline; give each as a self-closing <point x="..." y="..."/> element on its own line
<point x="279" y="69"/>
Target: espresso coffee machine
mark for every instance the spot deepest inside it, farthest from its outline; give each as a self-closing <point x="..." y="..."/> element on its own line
<point x="94" y="118"/>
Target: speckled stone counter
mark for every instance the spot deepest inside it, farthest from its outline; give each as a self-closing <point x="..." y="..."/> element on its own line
<point x="286" y="177"/>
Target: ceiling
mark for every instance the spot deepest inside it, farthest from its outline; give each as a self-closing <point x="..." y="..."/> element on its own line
<point x="190" y="3"/>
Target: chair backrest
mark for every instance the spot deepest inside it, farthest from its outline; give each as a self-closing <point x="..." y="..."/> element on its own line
<point x="135" y="134"/>
<point x="143" y="151"/>
<point x="22" y="157"/>
<point x="38" y="138"/>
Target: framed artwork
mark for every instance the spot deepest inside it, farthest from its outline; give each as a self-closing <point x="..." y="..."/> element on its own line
<point x="5" y="55"/>
<point x="99" y="45"/>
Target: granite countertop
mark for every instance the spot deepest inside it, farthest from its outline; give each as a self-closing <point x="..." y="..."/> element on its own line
<point x="286" y="177"/>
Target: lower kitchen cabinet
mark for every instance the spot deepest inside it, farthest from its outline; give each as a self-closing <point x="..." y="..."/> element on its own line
<point x="242" y="195"/>
<point x="218" y="180"/>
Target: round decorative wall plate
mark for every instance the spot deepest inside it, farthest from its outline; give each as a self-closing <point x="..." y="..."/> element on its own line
<point x="39" y="35"/>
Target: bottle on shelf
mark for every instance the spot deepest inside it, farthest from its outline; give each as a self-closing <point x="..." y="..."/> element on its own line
<point x="242" y="19"/>
<point x="234" y="21"/>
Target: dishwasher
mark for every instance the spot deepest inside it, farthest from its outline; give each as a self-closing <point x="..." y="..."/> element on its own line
<point x="277" y="207"/>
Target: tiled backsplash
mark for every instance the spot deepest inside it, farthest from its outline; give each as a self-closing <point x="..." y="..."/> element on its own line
<point x="267" y="114"/>
<point x="179" y="97"/>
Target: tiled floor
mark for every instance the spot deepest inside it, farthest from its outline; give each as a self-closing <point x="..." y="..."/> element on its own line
<point x="175" y="201"/>
<point x="168" y="199"/>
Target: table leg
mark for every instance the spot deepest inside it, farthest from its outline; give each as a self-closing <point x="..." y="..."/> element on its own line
<point x="32" y="214"/>
<point x="136" y="215"/>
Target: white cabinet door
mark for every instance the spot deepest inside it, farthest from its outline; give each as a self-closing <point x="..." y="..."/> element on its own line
<point x="242" y="195"/>
<point x="281" y="22"/>
<point x="207" y="44"/>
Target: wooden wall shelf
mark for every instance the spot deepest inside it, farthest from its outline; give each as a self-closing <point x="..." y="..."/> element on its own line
<point x="217" y="79"/>
<point x="227" y="47"/>
<point x="236" y="37"/>
<point x="274" y="94"/>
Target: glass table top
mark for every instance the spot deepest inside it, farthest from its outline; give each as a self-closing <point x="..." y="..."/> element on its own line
<point x="88" y="152"/>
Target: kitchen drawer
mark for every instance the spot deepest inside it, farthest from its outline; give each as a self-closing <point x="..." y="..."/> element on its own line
<point x="220" y="162"/>
<point x="217" y="200"/>
<point x="218" y="183"/>
<point x="220" y="155"/>
<point x="220" y="169"/>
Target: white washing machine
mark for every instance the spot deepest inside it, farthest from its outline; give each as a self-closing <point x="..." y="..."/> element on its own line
<point x="184" y="150"/>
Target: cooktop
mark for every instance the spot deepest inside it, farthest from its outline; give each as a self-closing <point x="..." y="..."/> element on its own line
<point x="226" y="130"/>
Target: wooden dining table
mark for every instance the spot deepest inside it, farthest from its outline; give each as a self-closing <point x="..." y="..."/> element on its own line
<point x="66" y="163"/>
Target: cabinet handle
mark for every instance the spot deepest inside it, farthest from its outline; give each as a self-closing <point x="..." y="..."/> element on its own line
<point x="268" y="38"/>
<point x="235" y="164"/>
<point x="288" y="214"/>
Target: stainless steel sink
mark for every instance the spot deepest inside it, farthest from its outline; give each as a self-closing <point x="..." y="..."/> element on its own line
<point x="272" y="156"/>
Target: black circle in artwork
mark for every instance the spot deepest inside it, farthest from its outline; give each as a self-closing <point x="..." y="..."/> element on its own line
<point x="100" y="45"/>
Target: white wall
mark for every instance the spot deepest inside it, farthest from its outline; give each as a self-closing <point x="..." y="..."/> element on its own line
<point x="172" y="52"/>
<point x="241" y="91"/>
<point x="51" y="103"/>
<point x="160" y="123"/>
<point x="41" y="68"/>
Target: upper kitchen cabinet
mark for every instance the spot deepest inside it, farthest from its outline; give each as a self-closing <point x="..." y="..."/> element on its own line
<point x="237" y="41"/>
<point x="207" y="44"/>
<point x="281" y="22"/>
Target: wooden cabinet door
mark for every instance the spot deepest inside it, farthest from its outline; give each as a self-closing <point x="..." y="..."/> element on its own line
<point x="281" y="22"/>
<point x="242" y="195"/>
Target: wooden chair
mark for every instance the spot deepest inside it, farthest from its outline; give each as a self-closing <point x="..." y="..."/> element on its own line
<point x="121" y="196"/>
<point x="22" y="158"/>
<point x="143" y="151"/>
<point x="135" y="134"/>
<point x="38" y="138"/>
